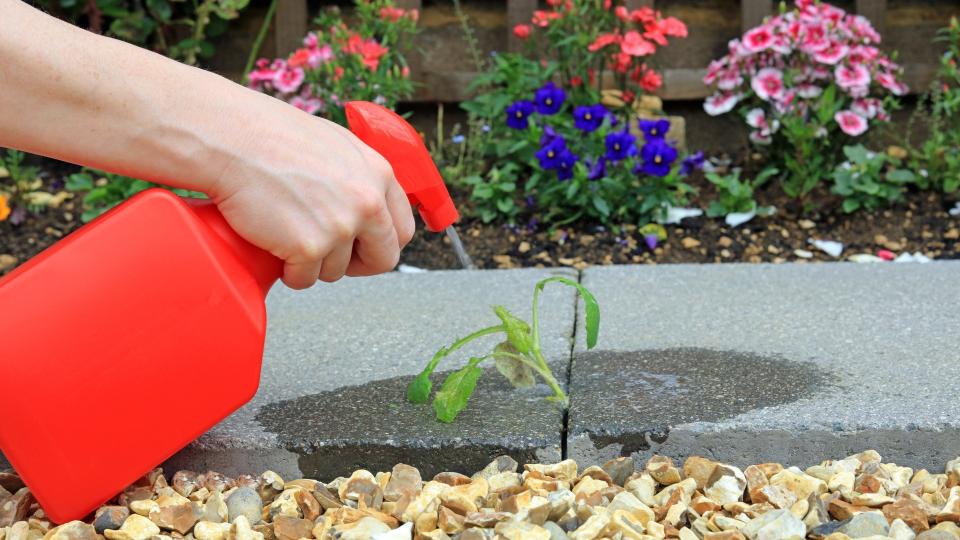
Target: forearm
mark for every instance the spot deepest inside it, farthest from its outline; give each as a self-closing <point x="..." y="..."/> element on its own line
<point x="95" y="101"/>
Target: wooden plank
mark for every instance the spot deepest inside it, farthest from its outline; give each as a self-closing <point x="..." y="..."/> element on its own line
<point x="875" y="11"/>
<point x="290" y="25"/>
<point x="410" y="4"/>
<point x="518" y="12"/>
<point x="752" y="12"/>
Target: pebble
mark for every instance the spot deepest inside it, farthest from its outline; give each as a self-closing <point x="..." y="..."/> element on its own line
<point x="866" y="524"/>
<point x="244" y="501"/>
<point x="110" y="517"/>
<point x="803" y="254"/>
<point x="7" y="261"/>
<point x="806" y="224"/>
<point x="73" y="530"/>
<point x="135" y="527"/>
<point x="689" y="243"/>
<point x="775" y="525"/>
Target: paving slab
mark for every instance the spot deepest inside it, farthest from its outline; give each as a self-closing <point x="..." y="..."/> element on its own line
<point x="755" y="363"/>
<point x="337" y="361"/>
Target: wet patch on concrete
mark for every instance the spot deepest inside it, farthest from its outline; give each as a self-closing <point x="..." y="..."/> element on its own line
<point x="629" y="401"/>
<point x="372" y="426"/>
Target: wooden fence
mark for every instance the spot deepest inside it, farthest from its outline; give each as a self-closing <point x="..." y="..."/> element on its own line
<point x="291" y="23"/>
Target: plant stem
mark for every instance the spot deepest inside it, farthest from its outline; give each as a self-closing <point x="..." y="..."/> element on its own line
<point x="442" y="353"/>
<point x="544" y="369"/>
<point x="261" y="35"/>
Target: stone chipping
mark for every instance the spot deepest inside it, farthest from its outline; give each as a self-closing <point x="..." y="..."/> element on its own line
<point x="857" y="497"/>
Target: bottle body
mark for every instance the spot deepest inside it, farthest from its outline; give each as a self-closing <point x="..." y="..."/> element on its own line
<point x="102" y="333"/>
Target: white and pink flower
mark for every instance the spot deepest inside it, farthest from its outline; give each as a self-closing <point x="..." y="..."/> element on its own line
<point x="729" y="79"/>
<point x="808" y="91"/>
<point x="851" y="123"/>
<point x="866" y="107"/>
<point x="758" y="39"/>
<point x="768" y="84"/>
<point x="849" y="77"/>
<point x="718" y="104"/>
<point x="832" y="54"/>
<point x="289" y="80"/>
<point x="760" y="137"/>
<point x="308" y="105"/>
<point x="890" y="82"/>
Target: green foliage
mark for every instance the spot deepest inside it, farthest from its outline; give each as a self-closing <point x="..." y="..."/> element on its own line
<point x="102" y="190"/>
<point x="21" y="189"/>
<point x="175" y="28"/>
<point x="517" y="358"/>
<point x="735" y="195"/>
<point x="869" y="179"/>
<point x="938" y="157"/>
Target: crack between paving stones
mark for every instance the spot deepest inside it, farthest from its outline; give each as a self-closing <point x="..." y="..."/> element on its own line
<point x="564" y="422"/>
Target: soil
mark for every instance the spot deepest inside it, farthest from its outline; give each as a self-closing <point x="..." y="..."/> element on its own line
<point x="920" y="224"/>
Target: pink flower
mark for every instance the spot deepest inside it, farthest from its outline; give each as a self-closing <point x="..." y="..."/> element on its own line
<point x="758" y="39"/>
<point x="851" y="123"/>
<point x="265" y="73"/>
<point x="309" y="105"/>
<point x="852" y="76"/>
<point x="832" y="54"/>
<point x="542" y="18"/>
<point x="713" y="71"/>
<point x="718" y="104"/>
<point x="768" y="84"/>
<point x="814" y="39"/>
<point x="862" y="27"/>
<point x="890" y="82"/>
<point x="392" y="14"/>
<point x="310" y="41"/>
<point x="289" y="80"/>
<point x="861" y="54"/>
<point x="634" y="44"/>
<point x="622" y="13"/>
<point x="320" y="56"/>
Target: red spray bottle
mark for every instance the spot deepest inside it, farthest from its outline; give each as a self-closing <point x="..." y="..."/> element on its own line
<point x="104" y="335"/>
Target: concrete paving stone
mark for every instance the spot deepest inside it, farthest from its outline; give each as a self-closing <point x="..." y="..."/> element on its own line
<point x="337" y="361"/>
<point x="756" y="363"/>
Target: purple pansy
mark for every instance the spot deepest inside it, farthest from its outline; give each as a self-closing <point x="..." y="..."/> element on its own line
<point x="549" y="98"/>
<point x="518" y="114"/>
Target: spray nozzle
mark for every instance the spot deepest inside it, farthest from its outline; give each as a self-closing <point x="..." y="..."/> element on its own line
<point x="396" y="140"/>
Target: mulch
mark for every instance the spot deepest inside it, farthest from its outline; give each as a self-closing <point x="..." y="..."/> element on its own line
<point x="920" y="224"/>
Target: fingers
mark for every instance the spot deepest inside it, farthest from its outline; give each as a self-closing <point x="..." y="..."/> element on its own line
<point x="377" y="248"/>
<point x="336" y="262"/>
<point x="301" y="275"/>
<point x="401" y="213"/>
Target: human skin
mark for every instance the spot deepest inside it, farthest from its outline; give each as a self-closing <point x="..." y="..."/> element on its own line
<point x="303" y="188"/>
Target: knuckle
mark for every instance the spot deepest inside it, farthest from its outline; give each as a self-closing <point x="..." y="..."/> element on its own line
<point x="308" y="248"/>
<point x="370" y="204"/>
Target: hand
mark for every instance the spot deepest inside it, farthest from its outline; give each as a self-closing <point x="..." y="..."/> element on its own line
<point x="312" y="194"/>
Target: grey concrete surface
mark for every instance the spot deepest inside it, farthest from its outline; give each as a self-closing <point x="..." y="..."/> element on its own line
<point x="752" y="363"/>
<point x="337" y="361"/>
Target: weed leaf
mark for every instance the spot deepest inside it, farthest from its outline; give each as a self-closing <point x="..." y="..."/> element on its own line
<point x="591" y="307"/>
<point x="519" y="374"/>
<point x="456" y="390"/>
<point x="418" y="391"/>
<point x="518" y="331"/>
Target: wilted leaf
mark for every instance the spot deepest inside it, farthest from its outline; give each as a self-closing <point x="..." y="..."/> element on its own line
<point x="591" y="307"/>
<point x="456" y="391"/>
<point x="418" y="391"/>
<point x="519" y="374"/>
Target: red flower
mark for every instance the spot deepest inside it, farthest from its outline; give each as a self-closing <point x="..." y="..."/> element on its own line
<point x="634" y="44"/>
<point x="673" y="27"/>
<point x="651" y="81"/>
<point x="622" y="13"/>
<point x="554" y="3"/>
<point x="405" y="71"/>
<point x="628" y="96"/>
<point x="299" y="58"/>
<point x="370" y="50"/>
<point x="653" y="32"/>
<point x="392" y="14"/>
<point x="607" y="4"/>
<point x="337" y="73"/>
<point x="542" y="18"/>
<point x="414" y="14"/>
<point x="603" y="40"/>
<point x="522" y="31"/>
<point x="644" y="15"/>
<point x="576" y="81"/>
<point x="621" y="62"/>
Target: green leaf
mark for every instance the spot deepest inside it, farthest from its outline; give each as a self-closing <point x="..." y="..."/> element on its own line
<point x="856" y="154"/>
<point x="850" y="205"/>
<point x="900" y="176"/>
<point x="160" y="8"/>
<point x="518" y="331"/>
<point x="418" y="391"/>
<point x="601" y="205"/>
<point x="456" y="390"/>
<point x="591" y="307"/>
<point x="79" y="182"/>
<point x="505" y="205"/>
<point x="505" y="357"/>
